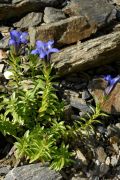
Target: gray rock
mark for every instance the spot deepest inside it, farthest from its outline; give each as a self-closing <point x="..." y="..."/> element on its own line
<point x="118" y="125"/>
<point x="112" y="130"/>
<point x="33" y="172"/>
<point x="4" y="43"/>
<point x="103" y="169"/>
<point x="4" y="170"/>
<point x="101" y="154"/>
<point x="31" y="19"/>
<point x="89" y="54"/>
<point x="17" y="8"/>
<point x="70" y="94"/>
<point x="114" y="160"/>
<point x="81" y="157"/>
<point x="53" y="15"/>
<point x="97" y="12"/>
<point x="86" y="95"/>
<point x="107" y="161"/>
<point x="79" y="104"/>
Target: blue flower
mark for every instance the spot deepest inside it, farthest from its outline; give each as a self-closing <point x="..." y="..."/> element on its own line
<point x="111" y="82"/>
<point x="43" y="49"/>
<point x="17" y="38"/>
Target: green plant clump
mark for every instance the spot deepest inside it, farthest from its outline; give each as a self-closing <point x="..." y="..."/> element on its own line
<point x="32" y="113"/>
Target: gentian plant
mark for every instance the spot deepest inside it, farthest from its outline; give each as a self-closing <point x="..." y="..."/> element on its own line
<point x="30" y="109"/>
<point x="111" y="82"/>
<point x="17" y="38"/>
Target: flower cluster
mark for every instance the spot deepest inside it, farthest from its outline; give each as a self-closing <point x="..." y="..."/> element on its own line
<point x="111" y="82"/>
<point x="43" y="49"/>
<point x="17" y="38"/>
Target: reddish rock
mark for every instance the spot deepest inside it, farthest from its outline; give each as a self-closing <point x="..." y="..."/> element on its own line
<point x="110" y="104"/>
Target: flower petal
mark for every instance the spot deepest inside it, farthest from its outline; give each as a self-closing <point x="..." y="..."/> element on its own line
<point x="42" y="53"/>
<point x="108" y="78"/>
<point x="12" y="42"/>
<point x="24" y="37"/>
<point x="40" y="44"/>
<point x="52" y="50"/>
<point x="49" y="44"/>
<point x="108" y="89"/>
<point x="35" y="51"/>
<point x="15" y="34"/>
<point x="114" y="80"/>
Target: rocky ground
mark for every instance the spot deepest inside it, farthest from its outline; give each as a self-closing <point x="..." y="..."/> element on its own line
<point x="88" y="36"/>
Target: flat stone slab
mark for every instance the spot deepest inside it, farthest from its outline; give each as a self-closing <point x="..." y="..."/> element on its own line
<point x="89" y="54"/>
<point x="33" y="172"/>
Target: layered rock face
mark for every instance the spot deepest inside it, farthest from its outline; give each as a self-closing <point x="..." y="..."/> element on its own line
<point x="87" y="33"/>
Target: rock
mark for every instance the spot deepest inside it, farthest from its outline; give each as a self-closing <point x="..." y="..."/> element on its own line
<point x="53" y="15"/>
<point x="111" y="104"/>
<point x="101" y="129"/>
<point x="64" y="32"/>
<point x="69" y="93"/>
<point x="86" y="95"/>
<point x="114" y="160"/>
<point x="81" y="157"/>
<point x="33" y="172"/>
<point x="31" y="19"/>
<point x="101" y="154"/>
<point x="116" y="2"/>
<point x="3" y="55"/>
<point x="89" y="54"/>
<point x="103" y="169"/>
<point x="99" y="13"/>
<point x="107" y="161"/>
<point x="118" y="125"/>
<point x="4" y="170"/>
<point x="4" y="30"/>
<point x="78" y="177"/>
<point x="18" y="8"/>
<point x="4" y="43"/>
<point x="112" y="131"/>
<point x="80" y="104"/>
<point x="115" y="147"/>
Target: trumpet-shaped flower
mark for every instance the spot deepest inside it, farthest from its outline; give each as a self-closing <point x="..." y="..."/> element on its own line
<point x="17" y="38"/>
<point x="43" y="49"/>
<point x="111" y="82"/>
